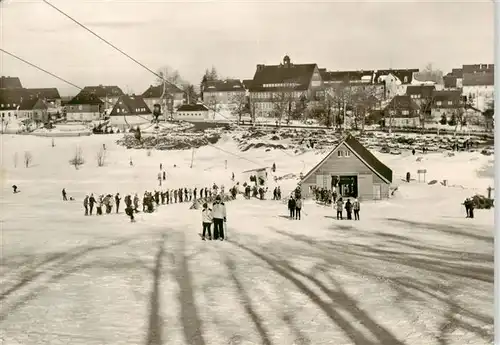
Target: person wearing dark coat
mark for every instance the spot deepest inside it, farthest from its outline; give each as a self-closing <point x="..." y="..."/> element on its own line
<point x="195" y="191"/>
<point x="467" y="207"/>
<point x="175" y="196"/>
<point x="340" y="204"/>
<point x="64" y="195"/>
<point x="117" y="201"/>
<point x="86" y="205"/>
<point x="164" y="176"/>
<point x="471" y="208"/>
<point x="157" y="197"/>
<point x="219" y="217"/>
<point x="291" y="207"/>
<point x="91" y="203"/>
<point x="348" y="209"/>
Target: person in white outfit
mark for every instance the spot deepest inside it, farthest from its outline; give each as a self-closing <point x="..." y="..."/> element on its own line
<point x="207" y="219"/>
<point x="219" y="215"/>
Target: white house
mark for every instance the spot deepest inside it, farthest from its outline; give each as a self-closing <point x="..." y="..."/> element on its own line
<point x="130" y="111"/>
<point x="192" y="112"/>
<point x="479" y="89"/>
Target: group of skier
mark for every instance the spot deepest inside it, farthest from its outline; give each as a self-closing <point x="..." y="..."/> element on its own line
<point x="349" y="208"/>
<point x="106" y="201"/>
<point x="216" y="216"/>
<point x="324" y="195"/>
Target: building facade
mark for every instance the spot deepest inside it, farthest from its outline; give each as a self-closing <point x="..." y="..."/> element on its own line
<point x="479" y="89"/>
<point x="108" y="94"/>
<point x="84" y="107"/>
<point x="35" y="109"/>
<point x="402" y="112"/>
<point x="192" y="113"/>
<point x="225" y="94"/>
<point x="130" y="111"/>
<point x="279" y="90"/>
<point x="158" y="95"/>
<point x="446" y="104"/>
<point x="358" y="172"/>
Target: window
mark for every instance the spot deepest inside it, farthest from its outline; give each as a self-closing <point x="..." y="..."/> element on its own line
<point x="405" y="79"/>
<point x="450" y="102"/>
<point x="347" y="153"/>
<point x="340" y="153"/>
<point x="405" y="112"/>
<point x="8" y="105"/>
<point x="80" y="107"/>
<point x="439" y="103"/>
<point x="2" y="105"/>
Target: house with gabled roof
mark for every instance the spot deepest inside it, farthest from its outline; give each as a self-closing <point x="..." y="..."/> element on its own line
<point x="130" y="111"/>
<point x="402" y="112"/>
<point x="224" y="93"/>
<point x="445" y="104"/>
<point x="108" y="94"/>
<point x="50" y="95"/>
<point x="157" y="95"/>
<point x="33" y="108"/>
<point x="84" y="107"/>
<point x="352" y="170"/>
<point x="274" y="85"/>
<point x="10" y="99"/>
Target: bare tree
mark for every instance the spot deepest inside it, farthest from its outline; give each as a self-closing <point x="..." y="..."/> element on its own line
<point x="363" y="101"/>
<point x="429" y="73"/>
<point x="170" y="75"/>
<point x="426" y="110"/>
<point x="190" y="94"/>
<point x="342" y="96"/>
<point x="239" y="104"/>
<point x="282" y="103"/>
<point x="28" y="158"/>
<point x="252" y="105"/>
<point x="77" y="159"/>
<point x="5" y="124"/>
<point x="324" y="111"/>
<point x="101" y="157"/>
<point x="213" y="104"/>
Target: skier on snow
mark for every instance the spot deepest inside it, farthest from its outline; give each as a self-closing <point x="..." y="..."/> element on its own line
<point x="219" y="215"/>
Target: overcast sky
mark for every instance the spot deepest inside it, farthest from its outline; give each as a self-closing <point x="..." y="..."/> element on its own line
<point x="235" y="36"/>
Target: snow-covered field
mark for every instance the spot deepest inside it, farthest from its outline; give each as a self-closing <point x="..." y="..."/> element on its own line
<point x="414" y="270"/>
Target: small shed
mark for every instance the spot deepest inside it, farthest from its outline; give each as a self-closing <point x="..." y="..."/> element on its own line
<point x="352" y="170"/>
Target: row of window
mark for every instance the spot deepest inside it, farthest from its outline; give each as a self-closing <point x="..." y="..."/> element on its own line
<point x="265" y="95"/>
<point x="8" y="105"/>
<point x="214" y="94"/>
<point x="343" y="153"/>
<point x="124" y="111"/>
<point x="281" y="85"/>
<point x="190" y="114"/>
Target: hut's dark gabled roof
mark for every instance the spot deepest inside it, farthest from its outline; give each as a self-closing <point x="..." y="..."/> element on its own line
<point x="361" y="152"/>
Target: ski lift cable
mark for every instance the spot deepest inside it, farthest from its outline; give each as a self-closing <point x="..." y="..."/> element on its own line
<point x="159" y="76"/>
<point x="80" y="88"/>
<point x="50" y="73"/>
<point x="133" y="59"/>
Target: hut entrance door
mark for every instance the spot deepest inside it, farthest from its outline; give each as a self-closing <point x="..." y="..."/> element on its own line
<point x="348" y="186"/>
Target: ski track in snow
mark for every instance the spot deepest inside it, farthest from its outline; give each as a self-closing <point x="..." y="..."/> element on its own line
<point x="412" y="271"/>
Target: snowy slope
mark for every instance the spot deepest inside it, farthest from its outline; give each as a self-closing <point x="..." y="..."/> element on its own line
<point x="414" y="270"/>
